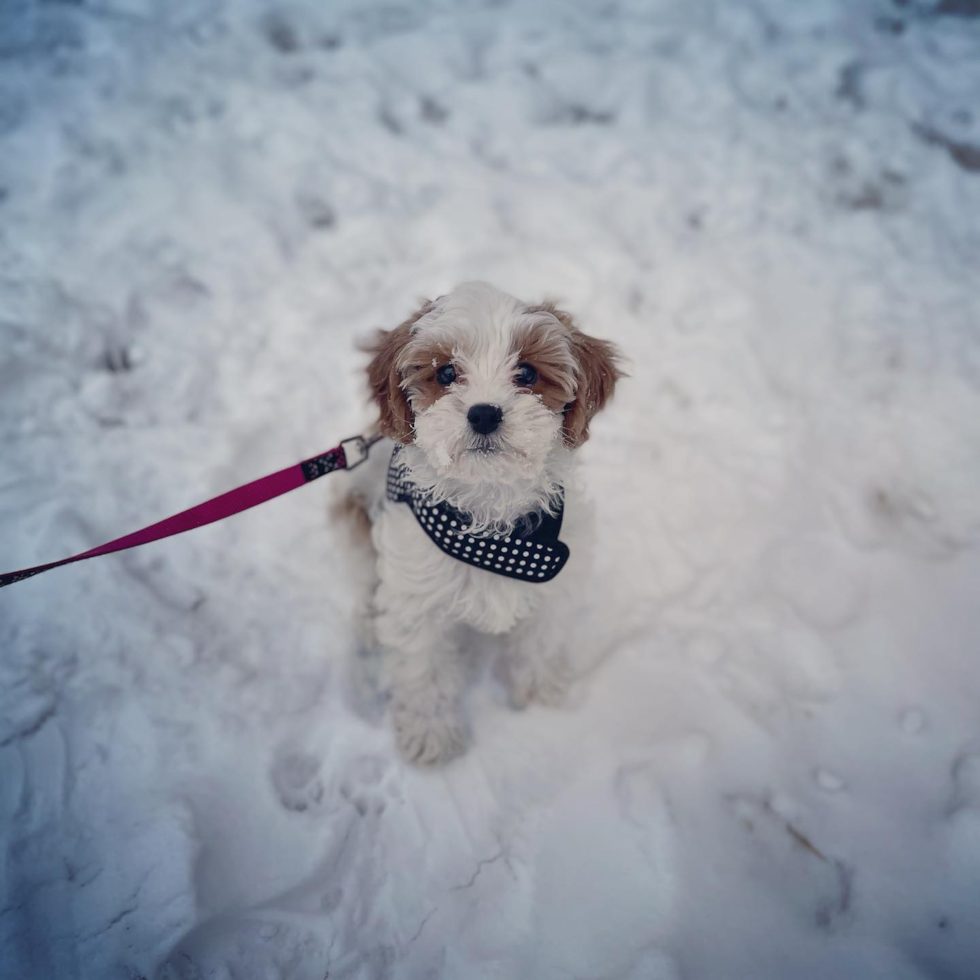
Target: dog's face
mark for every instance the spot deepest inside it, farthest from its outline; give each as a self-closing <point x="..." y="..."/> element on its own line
<point x="487" y="386"/>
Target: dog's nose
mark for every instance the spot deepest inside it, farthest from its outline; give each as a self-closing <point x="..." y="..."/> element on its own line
<point x="484" y="418"/>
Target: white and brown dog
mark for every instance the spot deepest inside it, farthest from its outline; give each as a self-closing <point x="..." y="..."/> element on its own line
<point x="487" y="398"/>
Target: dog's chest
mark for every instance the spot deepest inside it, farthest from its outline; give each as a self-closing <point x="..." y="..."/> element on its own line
<point x="428" y="582"/>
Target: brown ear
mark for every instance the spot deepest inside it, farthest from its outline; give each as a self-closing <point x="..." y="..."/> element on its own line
<point x="384" y="379"/>
<point x="597" y="372"/>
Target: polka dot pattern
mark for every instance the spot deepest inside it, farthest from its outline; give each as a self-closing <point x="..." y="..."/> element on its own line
<point x="531" y="554"/>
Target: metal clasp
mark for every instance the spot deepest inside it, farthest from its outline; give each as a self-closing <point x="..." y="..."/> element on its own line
<point x="355" y="451"/>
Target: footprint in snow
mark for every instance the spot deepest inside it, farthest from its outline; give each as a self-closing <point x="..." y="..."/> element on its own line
<point x="296" y="779"/>
<point x="361" y="787"/>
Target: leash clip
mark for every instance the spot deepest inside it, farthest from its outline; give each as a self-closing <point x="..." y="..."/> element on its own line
<point x="351" y="457"/>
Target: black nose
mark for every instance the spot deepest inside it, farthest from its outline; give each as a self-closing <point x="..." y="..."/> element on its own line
<point x="484" y="418"/>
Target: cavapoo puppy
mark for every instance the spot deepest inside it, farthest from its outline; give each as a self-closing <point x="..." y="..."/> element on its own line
<point x="468" y="516"/>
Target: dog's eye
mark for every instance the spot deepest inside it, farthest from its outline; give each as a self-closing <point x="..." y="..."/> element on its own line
<point x="526" y="376"/>
<point x="446" y="375"/>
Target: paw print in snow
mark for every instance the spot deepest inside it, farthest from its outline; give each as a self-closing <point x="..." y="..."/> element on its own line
<point x="361" y="786"/>
<point x="296" y="780"/>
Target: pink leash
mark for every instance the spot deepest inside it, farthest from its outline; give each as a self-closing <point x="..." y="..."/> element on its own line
<point x="350" y="453"/>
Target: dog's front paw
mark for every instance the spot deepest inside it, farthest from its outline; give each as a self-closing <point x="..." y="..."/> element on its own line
<point x="543" y="683"/>
<point x="425" y="739"/>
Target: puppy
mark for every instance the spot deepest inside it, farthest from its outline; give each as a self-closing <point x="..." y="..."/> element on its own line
<point x="485" y="400"/>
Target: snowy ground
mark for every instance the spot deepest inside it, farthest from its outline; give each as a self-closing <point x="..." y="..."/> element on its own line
<point x="771" y="766"/>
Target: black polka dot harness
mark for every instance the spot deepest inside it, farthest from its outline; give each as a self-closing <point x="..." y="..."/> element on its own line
<point x="531" y="553"/>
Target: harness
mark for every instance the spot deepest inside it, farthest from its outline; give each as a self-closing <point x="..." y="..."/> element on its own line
<point x="530" y="553"/>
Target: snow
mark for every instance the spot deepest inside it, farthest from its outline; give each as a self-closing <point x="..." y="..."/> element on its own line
<point x="770" y="766"/>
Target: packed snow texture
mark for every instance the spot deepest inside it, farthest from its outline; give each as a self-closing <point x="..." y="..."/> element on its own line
<point x="770" y="765"/>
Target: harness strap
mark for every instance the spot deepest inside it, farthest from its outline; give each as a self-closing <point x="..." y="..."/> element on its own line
<point x="531" y="553"/>
<point x="350" y="453"/>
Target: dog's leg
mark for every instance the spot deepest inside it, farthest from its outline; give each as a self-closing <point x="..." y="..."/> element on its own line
<point x="534" y="663"/>
<point x="423" y="678"/>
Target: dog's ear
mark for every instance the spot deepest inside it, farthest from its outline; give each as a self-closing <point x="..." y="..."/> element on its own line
<point x="384" y="379"/>
<point x="597" y="371"/>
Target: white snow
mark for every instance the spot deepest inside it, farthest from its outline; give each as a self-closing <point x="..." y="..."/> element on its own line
<point x="769" y="767"/>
